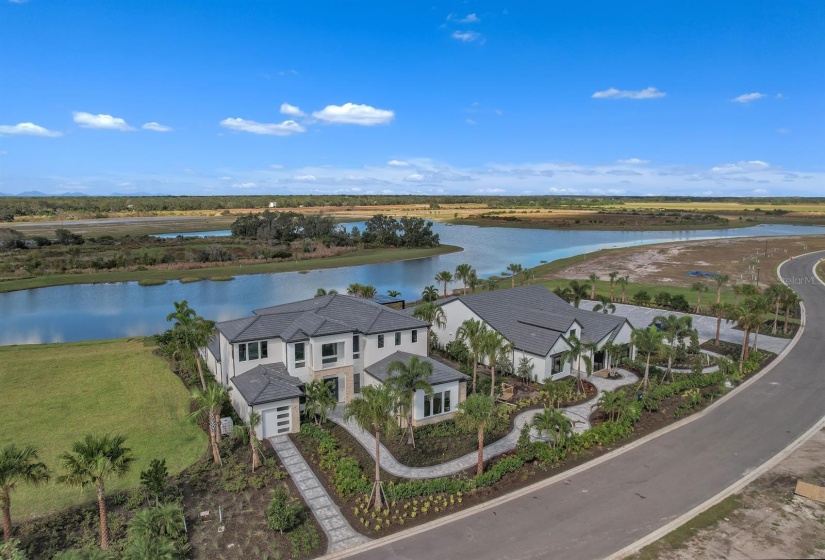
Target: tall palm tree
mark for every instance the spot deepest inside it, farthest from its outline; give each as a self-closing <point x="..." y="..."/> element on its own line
<point x="649" y="342"/>
<point x="612" y="276"/>
<point x="760" y="304"/>
<point x="578" y="291"/>
<point x="93" y="461"/>
<point x="743" y="290"/>
<point x="721" y="311"/>
<point x="208" y="403"/>
<point x="191" y="333"/>
<point x="444" y="277"/>
<point x="554" y="424"/>
<point x="474" y="334"/>
<point x="605" y="305"/>
<point x="430" y="312"/>
<point x="699" y="288"/>
<point x="613" y="353"/>
<point x="495" y="347"/>
<point x="474" y="282"/>
<point x="17" y="464"/>
<point x="577" y="353"/>
<point x="721" y="280"/>
<point x="514" y="270"/>
<point x="246" y="433"/>
<point x="593" y="279"/>
<point x="790" y="302"/>
<point x="373" y="410"/>
<point x="776" y="293"/>
<point x="319" y="400"/>
<point x="676" y="328"/>
<point x="406" y="379"/>
<point x="529" y="275"/>
<point x="623" y="282"/>
<point x="747" y="318"/>
<point x="464" y="272"/>
<point x="429" y="294"/>
<point x="473" y="415"/>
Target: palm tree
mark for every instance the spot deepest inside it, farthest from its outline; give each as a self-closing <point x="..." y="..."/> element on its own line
<point x="429" y="294"/>
<point x="159" y="522"/>
<point x="246" y="433"/>
<point x="614" y="404"/>
<point x="613" y="352"/>
<point x="321" y="292"/>
<point x="474" y="334"/>
<point x="554" y="424"/>
<point x="721" y="311"/>
<point x="444" y="277"/>
<point x="490" y="284"/>
<point x="647" y="341"/>
<point x="464" y="272"/>
<point x="676" y="328"/>
<point x="699" y="288"/>
<point x="368" y="292"/>
<point x="319" y="400"/>
<point x="430" y="312"/>
<point x="721" y="280"/>
<point x="191" y="333"/>
<point x="593" y="279"/>
<point x="393" y="293"/>
<point x="495" y="347"/>
<point x="93" y="461"/>
<point x="514" y="269"/>
<point x="150" y="548"/>
<point x="760" y="305"/>
<point x="577" y="353"/>
<point x="208" y="403"/>
<point x="745" y="290"/>
<point x="612" y="277"/>
<point x="776" y="293"/>
<point x="373" y="410"/>
<point x="728" y="368"/>
<point x="790" y="302"/>
<point x="474" y="282"/>
<point x="17" y="464"/>
<point x="355" y="289"/>
<point x="412" y="376"/>
<point x="473" y="415"/>
<point x="563" y="293"/>
<point x="528" y="275"/>
<point x="605" y="305"/>
<point x="578" y="291"/>
<point x="623" y="282"/>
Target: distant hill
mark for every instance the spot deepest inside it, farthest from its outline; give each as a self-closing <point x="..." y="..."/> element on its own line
<point x="41" y="194"/>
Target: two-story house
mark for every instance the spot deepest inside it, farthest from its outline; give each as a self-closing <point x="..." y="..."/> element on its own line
<point x="343" y="340"/>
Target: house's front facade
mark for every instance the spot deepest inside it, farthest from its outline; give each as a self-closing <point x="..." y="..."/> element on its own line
<point x="334" y="338"/>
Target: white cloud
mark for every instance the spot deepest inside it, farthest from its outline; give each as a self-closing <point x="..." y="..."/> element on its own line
<point x="291" y="110"/>
<point x="101" y="122"/>
<point x="397" y="163"/>
<point x="27" y="129"/>
<point x="466" y="36"/>
<point x="308" y="178"/>
<point x="286" y="128"/>
<point x="157" y="127"/>
<point x="470" y="18"/>
<point x="633" y="161"/>
<point x="741" y="167"/>
<point x="414" y="178"/>
<point x="350" y="113"/>
<point x="748" y="97"/>
<point x="613" y="93"/>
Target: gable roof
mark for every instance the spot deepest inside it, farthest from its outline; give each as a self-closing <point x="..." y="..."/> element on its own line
<point x="267" y="383"/>
<point x="533" y="318"/>
<point x="214" y="346"/>
<point x="442" y="373"/>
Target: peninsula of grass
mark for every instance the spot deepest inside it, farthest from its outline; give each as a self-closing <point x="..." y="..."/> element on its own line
<point x="54" y="394"/>
<point x="151" y="282"/>
<point x="190" y="280"/>
<point x="221" y="278"/>
<point x="356" y="258"/>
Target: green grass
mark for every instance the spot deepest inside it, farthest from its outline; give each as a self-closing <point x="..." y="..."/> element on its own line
<point x="221" y="278"/>
<point x="366" y="256"/>
<point x="664" y="547"/>
<point x="189" y="280"/>
<point x="151" y="282"/>
<point x="53" y="394"/>
<point x="603" y="288"/>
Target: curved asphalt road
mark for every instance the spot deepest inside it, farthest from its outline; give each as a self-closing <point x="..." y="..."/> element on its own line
<point x="608" y="507"/>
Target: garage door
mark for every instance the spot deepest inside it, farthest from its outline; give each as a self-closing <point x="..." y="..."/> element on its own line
<point x="277" y="421"/>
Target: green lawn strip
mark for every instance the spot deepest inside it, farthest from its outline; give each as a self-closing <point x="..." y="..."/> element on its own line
<point x="366" y="256"/>
<point x="676" y="539"/>
<point x="54" y="394"/>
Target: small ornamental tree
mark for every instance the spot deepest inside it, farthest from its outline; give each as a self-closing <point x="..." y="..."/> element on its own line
<point x="280" y="514"/>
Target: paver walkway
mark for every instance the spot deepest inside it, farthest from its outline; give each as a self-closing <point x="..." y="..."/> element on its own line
<point x="578" y="414"/>
<point x="340" y="534"/>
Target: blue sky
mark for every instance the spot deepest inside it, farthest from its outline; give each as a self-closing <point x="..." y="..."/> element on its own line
<point x="243" y="97"/>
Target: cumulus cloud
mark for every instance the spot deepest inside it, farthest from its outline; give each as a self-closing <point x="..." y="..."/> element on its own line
<point x="613" y="93"/>
<point x="101" y="122"/>
<point x="748" y="97"/>
<point x="398" y="163"/>
<point x="414" y="178"/>
<point x="306" y="178"/>
<point x="291" y="110"/>
<point x="157" y="127"/>
<point x="27" y="129"/>
<point x="741" y="167"/>
<point x="350" y="113"/>
<point x="286" y="128"/>
<point x="470" y="18"/>
<point x="633" y="161"/>
<point x="466" y="36"/>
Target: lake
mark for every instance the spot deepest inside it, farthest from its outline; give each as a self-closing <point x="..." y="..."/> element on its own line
<point x="93" y="311"/>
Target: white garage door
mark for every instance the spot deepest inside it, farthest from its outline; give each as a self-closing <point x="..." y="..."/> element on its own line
<point x="277" y="421"/>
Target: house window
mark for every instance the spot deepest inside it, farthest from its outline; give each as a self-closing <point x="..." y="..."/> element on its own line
<point x="252" y="351"/>
<point x="242" y="352"/>
<point x="329" y="353"/>
<point x="380" y="340"/>
<point x="558" y="364"/>
<point x="572" y="333"/>
<point x="264" y="350"/>
<point x="437" y="403"/>
<point x="415" y="336"/>
<point x="398" y="339"/>
<point x="356" y="383"/>
<point x="300" y="359"/>
<point x="356" y="346"/>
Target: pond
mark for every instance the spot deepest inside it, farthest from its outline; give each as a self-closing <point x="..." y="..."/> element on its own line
<point x="93" y="311"/>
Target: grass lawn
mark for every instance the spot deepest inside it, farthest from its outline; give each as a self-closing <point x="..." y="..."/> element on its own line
<point x="53" y="394"/>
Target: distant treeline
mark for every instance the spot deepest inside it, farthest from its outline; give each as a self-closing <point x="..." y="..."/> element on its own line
<point x="100" y="206"/>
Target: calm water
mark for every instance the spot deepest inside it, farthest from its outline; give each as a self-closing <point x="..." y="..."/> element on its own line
<point x="91" y="311"/>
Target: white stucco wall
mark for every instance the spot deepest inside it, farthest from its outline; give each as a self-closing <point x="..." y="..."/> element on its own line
<point x="371" y="353"/>
<point x="274" y="354"/>
<point x="455" y="313"/>
<point x="452" y="387"/>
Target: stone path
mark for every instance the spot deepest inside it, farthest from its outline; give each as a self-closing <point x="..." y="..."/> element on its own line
<point x="340" y="534"/>
<point x="578" y="414"/>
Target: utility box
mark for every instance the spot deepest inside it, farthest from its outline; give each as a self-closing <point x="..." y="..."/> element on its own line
<point x="226" y="426"/>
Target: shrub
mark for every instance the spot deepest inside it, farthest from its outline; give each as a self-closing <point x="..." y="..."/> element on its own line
<point x="280" y="514"/>
<point x="304" y="540"/>
<point x="641" y="297"/>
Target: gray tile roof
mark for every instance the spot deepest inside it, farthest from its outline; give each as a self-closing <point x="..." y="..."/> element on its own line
<point x="267" y="383"/>
<point x="533" y="318"/>
<point x="442" y="373"/>
<point x="214" y="346"/>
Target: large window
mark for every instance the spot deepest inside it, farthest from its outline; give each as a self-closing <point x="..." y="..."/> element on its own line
<point x="356" y="346"/>
<point x="252" y="351"/>
<point x="415" y="336"/>
<point x="329" y="353"/>
<point x="558" y="364"/>
<point x="437" y="403"/>
<point x="300" y="356"/>
<point x="356" y="383"/>
<point x="398" y="339"/>
<point x="380" y="340"/>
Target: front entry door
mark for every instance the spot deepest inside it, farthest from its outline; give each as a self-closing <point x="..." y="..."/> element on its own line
<point x="598" y="361"/>
<point x="332" y="383"/>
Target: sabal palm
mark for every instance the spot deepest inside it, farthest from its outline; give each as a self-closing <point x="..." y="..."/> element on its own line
<point x="495" y="347"/>
<point x="473" y="415"/>
<point x="368" y="291"/>
<point x="605" y="305"/>
<point x="613" y="352"/>
<point x="721" y="280"/>
<point x="776" y="293"/>
<point x="528" y="275"/>
<point x="578" y="353"/>
<point x="677" y="328"/>
<point x="612" y="276"/>
<point x="208" y="403"/>
<point x="746" y="290"/>
<point x="373" y="410"/>
<point x="191" y="332"/>
<point x="474" y="282"/>
<point x="623" y="282"/>
<point x="699" y="288"/>
<point x="648" y="342"/>
<point x="18" y="464"/>
<point x="92" y="462"/>
<point x="444" y="277"/>
<point x="514" y="269"/>
<point x="355" y="289"/>
<point x="429" y="294"/>
<point x="430" y="312"/>
<point x="554" y="424"/>
<point x="578" y="291"/>
<point x="790" y="302"/>
<point x="162" y="521"/>
<point x="321" y="292"/>
<point x="246" y="433"/>
<point x="759" y="305"/>
<point x="721" y="311"/>
<point x="319" y="400"/>
<point x="406" y="379"/>
<point x="474" y="334"/>
<point x="593" y="279"/>
<point x="464" y="272"/>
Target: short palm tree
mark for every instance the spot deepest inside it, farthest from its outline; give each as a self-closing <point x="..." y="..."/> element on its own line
<point x="368" y="291"/>
<point x="208" y="403"/>
<point x="474" y="282"/>
<point x="605" y="305"/>
<point x="613" y="352"/>
<point x="554" y="424"/>
<point x="593" y="279"/>
<point x="529" y="275"/>
<point x="355" y="289"/>
<point x="246" y="433"/>
<point x="319" y="400"/>
<point x="699" y="288"/>
<point x="614" y="404"/>
<point x="648" y="342"/>
<point x="444" y="277"/>
<point x="490" y="284"/>
<point x="743" y="290"/>
<point x="321" y="292"/>
<point x="676" y="328"/>
<point x="577" y="353"/>
<point x="393" y="293"/>
<point x="612" y="276"/>
<point x="721" y="280"/>
<point x="429" y="294"/>
<point x="474" y="334"/>
<point x="495" y="347"/>
<point x="430" y="312"/>
<point x="464" y="272"/>
<point x="623" y="281"/>
<point x="473" y="415"/>
<point x="514" y="270"/>
<point x="93" y="461"/>
<point x="373" y="411"/>
<point x="191" y="333"/>
<point x="17" y="464"/>
<point x="162" y="521"/>
<point x="406" y="379"/>
<point x="578" y="292"/>
<point x="728" y="368"/>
